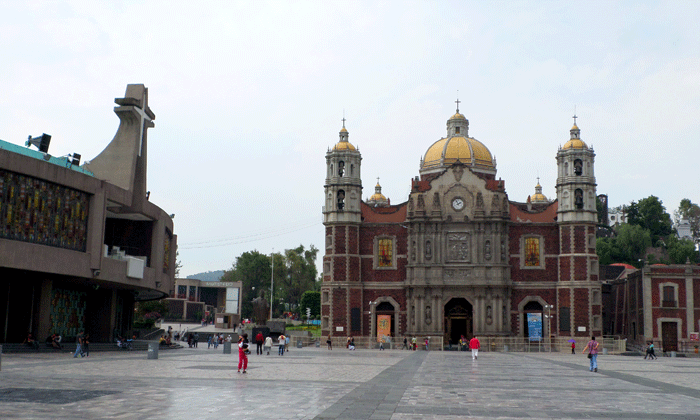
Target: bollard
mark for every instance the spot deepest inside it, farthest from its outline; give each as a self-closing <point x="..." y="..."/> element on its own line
<point x="300" y="344"/>
<point x="673" y="354"/>
<point x="318" y="343"/>
<point x="153" y="350"/>
<point x="605" y="350"/>
<point x="505" y="347"/>
<point x="227" y="347"/>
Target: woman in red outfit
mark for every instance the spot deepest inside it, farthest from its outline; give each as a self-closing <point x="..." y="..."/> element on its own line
<point x="242" y="356"/>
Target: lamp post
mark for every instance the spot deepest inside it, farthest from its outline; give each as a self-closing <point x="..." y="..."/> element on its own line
<point x="272" y="280"/>
<point x="549" y="324"/>
<point x="372" y="327"/>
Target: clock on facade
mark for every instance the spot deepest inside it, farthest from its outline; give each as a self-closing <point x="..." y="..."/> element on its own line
<point x="458" y="204"/>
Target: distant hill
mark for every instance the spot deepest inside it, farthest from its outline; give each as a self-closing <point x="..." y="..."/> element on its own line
<point x="208" y="276"/>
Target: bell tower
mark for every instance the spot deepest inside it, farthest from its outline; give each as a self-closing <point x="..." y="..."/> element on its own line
<point x="342" y="215"/>
<point x="343" y="186"/>
<point x="579" y="302"/>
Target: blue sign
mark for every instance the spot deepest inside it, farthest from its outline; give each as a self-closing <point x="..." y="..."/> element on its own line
<point x="534" y="326"/>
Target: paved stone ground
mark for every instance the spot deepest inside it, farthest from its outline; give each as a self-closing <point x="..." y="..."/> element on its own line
<point x="314" y="383"/>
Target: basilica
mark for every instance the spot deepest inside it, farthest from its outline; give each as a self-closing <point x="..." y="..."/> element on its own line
<point x="458" y="257"/>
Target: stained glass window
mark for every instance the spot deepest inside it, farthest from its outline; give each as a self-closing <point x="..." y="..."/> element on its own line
<point x="532" y="252"/>
<point x="38" y="211"/>
<point x="386" y="253"/>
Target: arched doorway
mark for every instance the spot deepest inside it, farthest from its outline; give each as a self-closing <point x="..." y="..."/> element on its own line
<point x="385" y="320"/>
<point x="458" y="320"/>
<point x="536" y="308"/>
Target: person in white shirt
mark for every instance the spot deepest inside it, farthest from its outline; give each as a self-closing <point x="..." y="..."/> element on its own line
<point x="281" y="341"/>
<point x="267" y="345"/>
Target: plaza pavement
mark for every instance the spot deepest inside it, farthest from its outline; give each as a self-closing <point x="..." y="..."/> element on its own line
<point x="314" y="383"/>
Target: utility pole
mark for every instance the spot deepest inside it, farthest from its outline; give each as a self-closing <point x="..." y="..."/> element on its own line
<point x="272" y="280"/>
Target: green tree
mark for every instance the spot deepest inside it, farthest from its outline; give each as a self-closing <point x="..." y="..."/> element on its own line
<point x="681" y="250"/>
<point x="299" y="274"/>
<point x="650" y="213"/>
<point x="627" y="246"/>
<point x="691" y="212"/>
<point x="311" y="299"/>
<point x="253" y="270"/>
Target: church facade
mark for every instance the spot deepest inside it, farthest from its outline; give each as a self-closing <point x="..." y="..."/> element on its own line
<point x="458" y="257"/>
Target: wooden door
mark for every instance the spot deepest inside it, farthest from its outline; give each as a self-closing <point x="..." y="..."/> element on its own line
<point x="669" y="336"/>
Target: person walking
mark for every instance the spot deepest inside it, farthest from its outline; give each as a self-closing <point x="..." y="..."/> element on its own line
<point x="329" y="342"/>
<point x="414" y="342"/>
<point x="573" y="347"/>
<point x="196" y="339"/>
<point x="280" y="342"/>
<point x="78" y="342"/>
<point x="474" y="345"/>
<point x="268" y="344"/>
<point x="650" y="351"/>
<point x="405" y="343"/>
<point x="242" y="356"/>
<point x="259" y="343"/>
<point x="86" y="345"/>
<point x="592" y="348"/>
<point x="427" y="344"/>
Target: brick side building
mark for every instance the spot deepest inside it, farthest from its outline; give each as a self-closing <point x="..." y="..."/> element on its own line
<point x="458" y="257"/>
<point x="659" y="303"/>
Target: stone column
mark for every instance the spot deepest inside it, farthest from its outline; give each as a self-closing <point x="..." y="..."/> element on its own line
<point x="420" y="322"/>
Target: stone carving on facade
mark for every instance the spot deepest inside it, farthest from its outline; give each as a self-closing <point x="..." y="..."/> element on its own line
<point x="489" y="315"/>
<point x="503" y="250"/>
<point x="487" y="249"/>
<point x="413" y="315"/>
<point x="458" y="246"/>
<point x="428" y="315"/>
<point x="458" y="274"/>
<point x="436" y="200"/>
<point x="479" y="200"/>
<point x="428" y="250"/>
<point x="494" y="204"/>
<point x="505" y="205"/>
<point x="421" y="203"/>
<point x="410" y="204"/>
<point x="458" y="170"/>
<point x="413" y="251"/>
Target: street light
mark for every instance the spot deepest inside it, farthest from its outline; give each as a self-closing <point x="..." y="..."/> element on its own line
<point x="549" y="324"/>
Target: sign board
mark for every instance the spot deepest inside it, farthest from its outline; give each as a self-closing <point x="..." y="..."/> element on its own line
<point x="383" y="326"/>
<point x="534" y="326"/>
<point x="582" y="329"/>
<point x="339" y="329"/>
<point x="694" y="336"/>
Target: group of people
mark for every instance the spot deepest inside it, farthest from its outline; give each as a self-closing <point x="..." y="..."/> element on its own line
<point x="82" y="348"/>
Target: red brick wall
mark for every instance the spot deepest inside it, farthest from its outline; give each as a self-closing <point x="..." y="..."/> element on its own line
<point x="339" y="268"/>
<point x="580" y="239"/>
<point x="550" y="235"/>
<point x="564" y="268"/>
<point x="339" y="308"/>
<point x="580" y="268"/>
<point x="353" y="240"/>
<point x="581" y="300"/>
<point x="339" y="240"/>
<point x="565" y="235"/>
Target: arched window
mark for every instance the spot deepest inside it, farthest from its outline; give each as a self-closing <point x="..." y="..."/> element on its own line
<point x="578" y="198"/>
<point x="341" y="168"/>
<point x="341" y="199"/>
<point x="578" y="167"/>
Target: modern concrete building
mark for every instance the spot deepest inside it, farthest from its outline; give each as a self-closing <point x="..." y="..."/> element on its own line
<point x="80" y="245"/>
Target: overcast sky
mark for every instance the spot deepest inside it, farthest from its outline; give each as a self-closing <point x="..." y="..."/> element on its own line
<point x="249" y="96"/>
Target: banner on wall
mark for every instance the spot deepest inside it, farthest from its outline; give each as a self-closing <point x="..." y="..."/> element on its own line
<point x="383" y="326"/>
<point x="534" y="326"/>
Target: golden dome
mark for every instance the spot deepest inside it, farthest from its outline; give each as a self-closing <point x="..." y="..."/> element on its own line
<point x="466" y="150"/>
<point x="343" y="130"/>
<point x="458" y="116"/>
<point x="538" y="198"/>
<point x="575" y="144"/>
<point x="377" y="197"/>
<point x="344" y="145"/>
